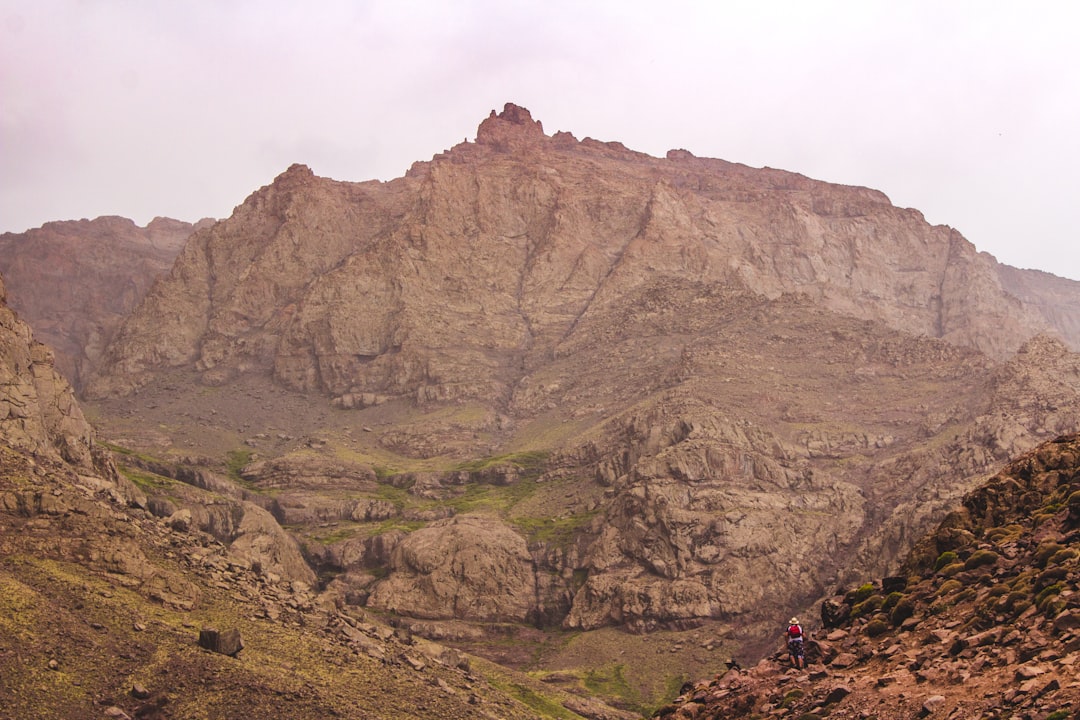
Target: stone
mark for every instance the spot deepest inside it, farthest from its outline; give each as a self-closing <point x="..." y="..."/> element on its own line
<point x="837" y="694"/>
<point x="844" y="660"/>
<point x="180" y="520"/>
<point x="932" y="705"/>
<point x="1067" y="620"/>
<point x="1026" y="672"/>
<point x="226" y="642"/>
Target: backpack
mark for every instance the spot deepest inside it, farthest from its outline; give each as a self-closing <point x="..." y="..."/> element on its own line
<point x="794" y="632"/>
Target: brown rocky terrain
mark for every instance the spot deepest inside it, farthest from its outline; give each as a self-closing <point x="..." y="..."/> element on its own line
<point x="76" y="281"/>
<point x="982" y="622"/>
<point x="591" y="414"/>
<point x="108" y="610"/>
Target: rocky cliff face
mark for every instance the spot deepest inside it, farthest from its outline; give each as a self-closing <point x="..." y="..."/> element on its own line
<point x="1057" y="299"/>
<point x="76" y="281"/>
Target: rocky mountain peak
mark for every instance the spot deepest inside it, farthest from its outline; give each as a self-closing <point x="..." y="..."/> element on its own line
<point x="511" y="128"/>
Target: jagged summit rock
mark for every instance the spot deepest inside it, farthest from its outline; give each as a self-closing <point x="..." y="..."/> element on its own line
<point x="510" y="129"/>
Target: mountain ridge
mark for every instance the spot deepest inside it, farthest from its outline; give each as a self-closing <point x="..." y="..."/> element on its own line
<point x="537" y="233"/>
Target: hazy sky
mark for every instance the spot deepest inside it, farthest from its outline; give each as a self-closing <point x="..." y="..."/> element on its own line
<point x="966" y="110"/>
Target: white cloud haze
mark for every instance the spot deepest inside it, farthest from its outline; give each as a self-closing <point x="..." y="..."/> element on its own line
<point x="967" y="110"/>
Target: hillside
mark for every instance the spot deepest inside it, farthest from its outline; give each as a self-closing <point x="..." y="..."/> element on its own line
<point x="103" y="605"/>
<point x="982" y="622"/>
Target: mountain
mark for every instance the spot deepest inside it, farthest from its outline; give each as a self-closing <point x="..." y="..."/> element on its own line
<point x="455" y="281"/>
<point x="76" y="281"/>
<point x="587" y="413"/>
<point x="983" y="621"/>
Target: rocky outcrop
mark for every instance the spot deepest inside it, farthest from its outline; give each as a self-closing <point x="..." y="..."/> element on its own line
<point x="76" y="281"/>
<point x="465" y="568"/>
<point x="38" y="411"/>
<point x="491" y="258"/>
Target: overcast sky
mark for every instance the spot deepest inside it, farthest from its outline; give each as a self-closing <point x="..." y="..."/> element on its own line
<point x="966" y="110"/>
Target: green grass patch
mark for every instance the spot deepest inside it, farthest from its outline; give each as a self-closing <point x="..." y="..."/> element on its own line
<point x="147" y="481"/>
<point x="609" y="681"/>
<point x="384" y="472"/>
<point x="128" y="452"/>
<point x="530" y="463"/>
<point x="559" y="532"/>
<point x="337" y="534"/>
<point x="392" y="524"/>
<point x="398" y="497"/>
<point x="540" y="703"/>
<point x="116" y="448"/>
<point x="235" y="462"/>
<point x="490" y="499"/>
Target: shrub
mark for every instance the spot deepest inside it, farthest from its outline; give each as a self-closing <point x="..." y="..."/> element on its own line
<point x="876" y="627"/>
<point x="862" y="593"/>
<point x="980" y="558"/>
<point x="1046" y="551"/>
<point x="1005" y="533"/>
<point x="891" y="600"/>
<point x="951" y="569"/>
<point x="791" y="697"/>
<point x="1054" y="606"/>
<point x="1048" y="577"/>
<point x="946" y="558"/>
<point x="1022" y="582"/>
<point x="965" y="594"/>
<point x="1043" y="598"/>
<point x="867" y="606"/>
<point x="1061" y="556"/>
<point x="903" y="610"/>
<point x="1008" y="603"/>
<point x="1020" y="607"/>
<point x="949" y="586"/>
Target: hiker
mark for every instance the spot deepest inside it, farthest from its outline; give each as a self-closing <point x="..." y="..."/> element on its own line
<point x="795" y="643"/>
